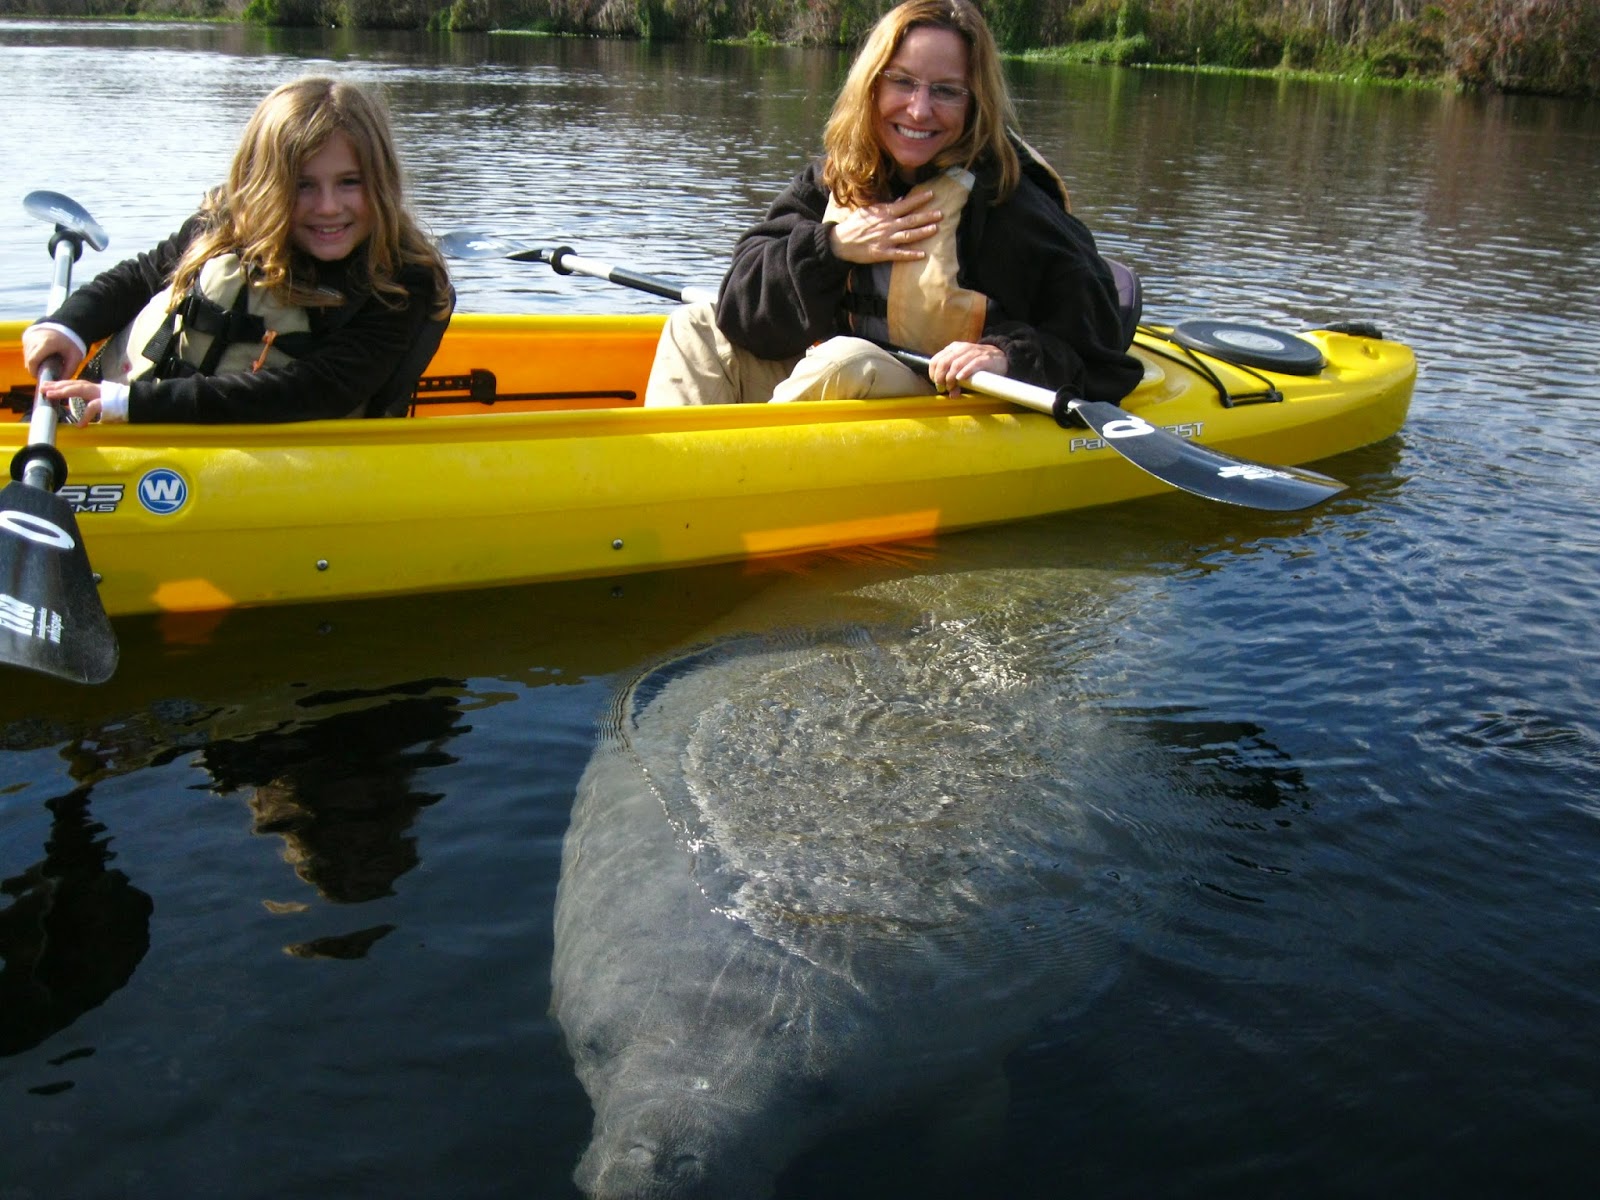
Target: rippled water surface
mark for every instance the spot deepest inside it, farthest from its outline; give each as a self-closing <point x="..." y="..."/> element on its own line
<point x="276" y="904"/>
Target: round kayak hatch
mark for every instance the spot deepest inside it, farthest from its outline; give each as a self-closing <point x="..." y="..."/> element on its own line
<point x="1250" y="346"/>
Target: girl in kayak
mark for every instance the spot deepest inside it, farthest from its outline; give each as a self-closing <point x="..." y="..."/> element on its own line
<point x="302" y="289"/>
<point x="927" y="224"/>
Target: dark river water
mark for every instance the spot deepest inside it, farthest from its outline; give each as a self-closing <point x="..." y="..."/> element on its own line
<point x="277" y="903"/>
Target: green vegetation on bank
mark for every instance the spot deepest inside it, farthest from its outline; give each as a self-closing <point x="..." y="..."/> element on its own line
<point x="1539" y="46"/>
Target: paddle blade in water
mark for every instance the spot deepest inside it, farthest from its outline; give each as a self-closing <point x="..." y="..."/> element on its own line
<point x="1202" y="470"/>
<point x="51" y="616"/>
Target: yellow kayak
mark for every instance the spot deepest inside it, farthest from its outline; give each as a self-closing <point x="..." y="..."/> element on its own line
<point x="528" y="457"/>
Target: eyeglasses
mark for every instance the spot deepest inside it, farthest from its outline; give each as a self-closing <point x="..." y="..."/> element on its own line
<point x="940" y="95"/>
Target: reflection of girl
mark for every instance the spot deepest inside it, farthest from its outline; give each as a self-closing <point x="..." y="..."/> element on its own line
<point x="301" y="289"/>
<point x="72" y="930"/>
<point x="927" y="224"/>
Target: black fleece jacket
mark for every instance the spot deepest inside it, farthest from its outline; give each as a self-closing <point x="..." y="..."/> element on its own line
<point x="1052" y="299"/>
<point x="354" y="361"/>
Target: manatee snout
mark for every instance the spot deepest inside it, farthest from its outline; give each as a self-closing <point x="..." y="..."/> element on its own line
<point x="658" y="1151"/>
<point x="638" y="1168"/>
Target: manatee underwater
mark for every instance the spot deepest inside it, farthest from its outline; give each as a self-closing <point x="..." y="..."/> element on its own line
<point x="817" y="881"/>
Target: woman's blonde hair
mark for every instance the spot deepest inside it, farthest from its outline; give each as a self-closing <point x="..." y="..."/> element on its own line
<point x="857" y="169"/>
<point x="252" y="213"/>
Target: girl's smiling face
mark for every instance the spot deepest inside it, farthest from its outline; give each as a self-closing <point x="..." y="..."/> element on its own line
<point x="332" y="215"/>
<point x="923" y="97"/>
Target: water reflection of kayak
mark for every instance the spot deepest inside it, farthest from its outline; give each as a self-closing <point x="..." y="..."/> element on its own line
<point x="209" y="676"/>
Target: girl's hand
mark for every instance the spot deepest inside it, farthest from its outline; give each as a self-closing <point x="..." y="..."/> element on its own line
<point x="39" y="344"/>
<point x="962" y="360"/>
<point x="886" y="232"/>
<point x="76" y="389"/>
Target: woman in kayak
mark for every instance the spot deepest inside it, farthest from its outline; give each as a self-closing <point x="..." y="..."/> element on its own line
<point x="303" y="288"/>
<point x="927" y="224"/>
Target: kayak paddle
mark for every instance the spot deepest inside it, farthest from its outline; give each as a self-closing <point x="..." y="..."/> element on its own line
<point x="463" y="244"/>
<point x="1174" y="460"/>
<point x="51" y="616"/>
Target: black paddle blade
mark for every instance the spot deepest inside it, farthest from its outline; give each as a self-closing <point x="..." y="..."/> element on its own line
<point x="1198" y="468"/>
<point x="51" y="617"/>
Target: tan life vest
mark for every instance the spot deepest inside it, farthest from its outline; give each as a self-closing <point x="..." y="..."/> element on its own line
<point x="1042" y="173"/>
<point x="917" y="304"/>
<point x="160" y="334"/>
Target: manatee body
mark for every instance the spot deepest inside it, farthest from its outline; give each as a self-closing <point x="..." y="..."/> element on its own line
<point x="814" y="883"/>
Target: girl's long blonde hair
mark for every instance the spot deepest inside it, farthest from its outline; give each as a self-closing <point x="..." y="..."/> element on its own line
<point x="857" y="169"/>
<point x="252" y="213"/>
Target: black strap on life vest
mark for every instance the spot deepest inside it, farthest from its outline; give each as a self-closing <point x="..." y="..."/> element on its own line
<point x="865" y="304"/>
<point x="236" y="324"/>
<point x="227" y="326"/>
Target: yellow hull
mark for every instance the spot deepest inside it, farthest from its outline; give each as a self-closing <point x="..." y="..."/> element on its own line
<point x="188" y="518"/>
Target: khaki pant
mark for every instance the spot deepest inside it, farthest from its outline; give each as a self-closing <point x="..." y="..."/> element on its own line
<point x="696" y="364"/>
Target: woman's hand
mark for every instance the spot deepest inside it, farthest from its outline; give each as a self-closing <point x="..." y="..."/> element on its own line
<point x="962" y="360"/>
<point x="886" y="232"/>
<point x="39" y="344"/>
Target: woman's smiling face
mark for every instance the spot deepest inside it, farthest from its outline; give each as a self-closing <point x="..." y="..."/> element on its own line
<point x="914" y="124"/>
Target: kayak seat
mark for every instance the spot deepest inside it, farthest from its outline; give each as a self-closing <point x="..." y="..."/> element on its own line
<point x="1130" y="298"/>
<point x="395" y="398"/>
